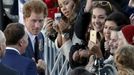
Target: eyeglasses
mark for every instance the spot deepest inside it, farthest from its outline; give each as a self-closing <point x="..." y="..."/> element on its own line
<point x="102" y="3"/>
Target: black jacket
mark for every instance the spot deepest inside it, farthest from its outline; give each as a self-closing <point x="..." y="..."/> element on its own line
<point x="80" y="29"/>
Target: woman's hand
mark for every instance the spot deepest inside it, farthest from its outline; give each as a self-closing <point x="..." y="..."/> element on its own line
<point x="88" y="6"/>
<point x="80" y="54"/>
<point x="95" y="48"/>
<point x="48" y="23"/>
<point x="48" y="26"/>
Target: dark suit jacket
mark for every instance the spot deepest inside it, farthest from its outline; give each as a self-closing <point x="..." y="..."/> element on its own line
<point x="4" y="70"/>
<point x="80" y="29"/>
<point x="29" y="50"/>
<point x="21" y="64"/>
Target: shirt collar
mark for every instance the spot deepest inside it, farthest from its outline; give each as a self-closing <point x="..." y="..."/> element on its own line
<point x="11" y="48"/>
<point x="31" y="36"/>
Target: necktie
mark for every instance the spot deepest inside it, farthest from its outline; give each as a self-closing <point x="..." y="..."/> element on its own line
<point x="36" y="49"/>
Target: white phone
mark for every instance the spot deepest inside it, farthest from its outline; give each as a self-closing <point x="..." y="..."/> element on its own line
<point x="93" y="36"/>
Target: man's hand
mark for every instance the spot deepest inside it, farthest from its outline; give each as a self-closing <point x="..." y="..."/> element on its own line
<point x="41" y="66"/>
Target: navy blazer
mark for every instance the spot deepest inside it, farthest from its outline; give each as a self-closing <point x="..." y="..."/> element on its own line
<point x="5" y="70"/>
<point x="21" y="64"/>
<point x="29" y="50"/>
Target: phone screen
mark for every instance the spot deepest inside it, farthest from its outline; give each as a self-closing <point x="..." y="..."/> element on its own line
<point x="57" y="17"/>
<point x="93" y="36"/>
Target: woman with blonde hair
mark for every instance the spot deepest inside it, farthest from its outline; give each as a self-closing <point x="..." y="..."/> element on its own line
<point x="124" y="59"/>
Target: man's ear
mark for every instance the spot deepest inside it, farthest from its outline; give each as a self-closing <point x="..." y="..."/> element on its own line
<point x="20" y="42"/>
<point x="24" y="19"/>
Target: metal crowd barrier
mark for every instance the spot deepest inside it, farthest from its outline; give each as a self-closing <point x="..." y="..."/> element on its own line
<point x="56" y="62"/>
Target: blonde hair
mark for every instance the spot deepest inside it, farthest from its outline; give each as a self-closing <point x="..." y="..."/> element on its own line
<point x="106" y="5"/>
<point x="124" y="59"/>
<point x="125" y="71"/>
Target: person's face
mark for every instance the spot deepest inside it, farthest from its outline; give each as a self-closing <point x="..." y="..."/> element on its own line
<point x="121" y="39"/>
<point x="109" y="25"/>
<point x="34" y="23"/>
<point x="67" y="7"/>
<point x="98" y="18"/>
<point x="113" y="43"/>
<point x="2" y="46"/>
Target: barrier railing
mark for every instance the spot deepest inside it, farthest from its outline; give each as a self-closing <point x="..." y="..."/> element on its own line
<point x="56" y="62"/>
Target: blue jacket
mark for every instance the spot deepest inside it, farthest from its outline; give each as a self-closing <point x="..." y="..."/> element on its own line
<point x="5" y="70"/>
<point x="21" y="64"/>
<point x="29" y="52"/>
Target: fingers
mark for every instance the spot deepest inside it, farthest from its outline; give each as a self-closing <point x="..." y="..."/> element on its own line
<point x="90" y="45"/>
<point x="33" y="59"/>
<point x="83" y="53"/>
<point x="94" y="48"/>
<point x="88" y="6"/>
<point x="76" y="56"/>
<point x="48" y="23"/>
<point x="41" y="64"/>
<point x="56" y="27"/>
<point x="131" y="3"/>
<point x="47" y="27"/>
<point x="132" y="19"/>
<point x="106" y="46"/>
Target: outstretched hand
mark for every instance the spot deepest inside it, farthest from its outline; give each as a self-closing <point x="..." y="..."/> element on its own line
<point x="88" y="6"/>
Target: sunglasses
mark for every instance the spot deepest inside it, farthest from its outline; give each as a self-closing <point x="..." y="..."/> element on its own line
<point x="102" y="3"/>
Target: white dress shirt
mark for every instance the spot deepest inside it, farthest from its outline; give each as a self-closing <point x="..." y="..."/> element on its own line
<point x="32" y="38"/>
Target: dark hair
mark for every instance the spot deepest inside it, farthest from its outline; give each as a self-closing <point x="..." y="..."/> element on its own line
<point x="80" y="71"/>
<point x="119" y="18"/>
<point x="13" y="33"/>
<point x="119" y="28"/>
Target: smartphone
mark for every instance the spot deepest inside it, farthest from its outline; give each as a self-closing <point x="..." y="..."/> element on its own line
<point x="93" y="36"/>
<point x="57" y="17"/>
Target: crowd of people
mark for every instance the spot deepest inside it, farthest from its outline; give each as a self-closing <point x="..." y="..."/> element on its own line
<point x="95" y="36"/>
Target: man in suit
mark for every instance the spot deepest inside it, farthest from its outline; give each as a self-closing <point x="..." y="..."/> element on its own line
<point x="34" y="12"/>
<point x="17" y="41"/>
<point x="4" y="70"/>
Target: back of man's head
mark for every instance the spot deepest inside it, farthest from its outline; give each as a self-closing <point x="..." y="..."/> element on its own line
<point x="13" y="33"/>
